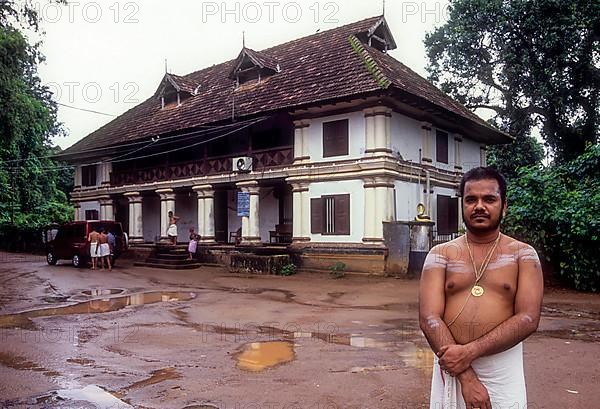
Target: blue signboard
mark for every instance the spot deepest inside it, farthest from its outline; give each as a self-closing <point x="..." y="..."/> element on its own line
<point x="243" y="204"/>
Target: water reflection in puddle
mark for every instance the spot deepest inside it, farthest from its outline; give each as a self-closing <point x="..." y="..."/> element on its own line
<point x="95" y="292"/>
<point x="258" y="356"/>
<point x="95" y="395"/>
<point x="418" y="357"/>
<point x="23" y="319"/>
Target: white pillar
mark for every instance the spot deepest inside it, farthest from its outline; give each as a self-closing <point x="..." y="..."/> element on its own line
<point x="305" y="223"/>
<point x="369" y="218"/>
<point x="251" y="223"/>
<point x="200" y="218"/>
<point x="136" y="230"/>
<point x="167" y="204"/>
<point x="305" y="141"/>
<point x="209" y="217"/>
<point x="105" y="171"/>
<point x="427" y="154"/>
<point x="297" y="212"/>
<point x="77" y="182"/>
<point x="106" y="208"/>
<point x="77" y="216"/>
<point x="369" y="131"/>
<point x="301" y="142"/>
<point x="298" y="141"/>
<point x="457" y="153"/>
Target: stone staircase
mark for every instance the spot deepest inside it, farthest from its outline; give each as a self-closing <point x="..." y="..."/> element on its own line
<point x="170" y="257"/>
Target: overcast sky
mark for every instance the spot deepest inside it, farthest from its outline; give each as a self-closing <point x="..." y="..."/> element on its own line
<point x="108" y="56"/>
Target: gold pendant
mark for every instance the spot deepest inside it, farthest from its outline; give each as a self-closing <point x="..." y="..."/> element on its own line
<point x="477" y="290"/>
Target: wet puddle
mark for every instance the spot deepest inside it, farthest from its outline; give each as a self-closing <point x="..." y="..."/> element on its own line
<point x="157" y="376"/>
<point x="96" y="292"/>
<point x="258" y="356"/>
<point x="23" y="319"/>
<point x="22" y="364"/>
<point x="100" y="398"/>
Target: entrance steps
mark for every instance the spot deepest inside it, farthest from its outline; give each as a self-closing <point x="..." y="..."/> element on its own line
<point x="171" y="258"/>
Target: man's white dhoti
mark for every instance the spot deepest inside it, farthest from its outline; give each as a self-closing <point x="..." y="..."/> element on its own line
<point x="172" y="230"/>
<point x="501" y="374"/>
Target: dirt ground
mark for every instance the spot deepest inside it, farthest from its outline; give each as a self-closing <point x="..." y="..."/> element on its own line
<point x="146" y="338"/>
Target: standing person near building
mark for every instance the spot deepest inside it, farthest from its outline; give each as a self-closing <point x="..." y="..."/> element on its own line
<point x="112" y="242"/>
<point x="193" y="245"/>
<point x="172" y="230"/>
<point x="94" y="253"/>
<point x="480" y="296"/>
<point x="104" y="249"/>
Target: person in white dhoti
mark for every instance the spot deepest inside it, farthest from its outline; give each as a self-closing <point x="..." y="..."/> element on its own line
<point x="172" y="230"/>
<point x="480" y="296"/>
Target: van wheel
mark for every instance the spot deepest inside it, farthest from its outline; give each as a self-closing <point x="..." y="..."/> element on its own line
<point x="50" y="258"/>
<point x="77" y="261"/>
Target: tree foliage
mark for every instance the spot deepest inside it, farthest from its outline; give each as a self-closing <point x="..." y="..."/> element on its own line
<point x="29" y="179"/>
<point x="530" y="62"/>
<point x="557" y="209"/>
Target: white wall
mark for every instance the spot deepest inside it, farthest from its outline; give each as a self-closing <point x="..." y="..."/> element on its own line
<point x="357" y="205"/>
<point x="408" y="196"/>
<point x="470" y="151"/>
<point x="406" y="137"/>
<point x="356" y="132"/>
<point x="93" y="205"/>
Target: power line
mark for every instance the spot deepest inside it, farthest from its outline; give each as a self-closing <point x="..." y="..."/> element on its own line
<point x="84" y="109"/>
<point x="133" y="143"/>
<point x="162" y="141"/>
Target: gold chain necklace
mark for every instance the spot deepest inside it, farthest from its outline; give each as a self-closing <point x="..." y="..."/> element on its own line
<point x="478" y="290"/>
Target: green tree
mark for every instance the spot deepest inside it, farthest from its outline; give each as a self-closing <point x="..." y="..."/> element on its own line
<point x="29" y="194"/>
<point x="530" y="62"/>
<point x="556" y="209"/>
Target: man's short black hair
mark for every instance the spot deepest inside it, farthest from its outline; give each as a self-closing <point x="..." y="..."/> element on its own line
<point x="481" y="173"/>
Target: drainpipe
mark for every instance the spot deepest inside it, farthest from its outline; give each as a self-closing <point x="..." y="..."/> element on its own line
<point x="427" y="194"/>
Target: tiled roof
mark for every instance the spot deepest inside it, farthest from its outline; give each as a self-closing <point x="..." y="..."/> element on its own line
<point x="319" y="67"/>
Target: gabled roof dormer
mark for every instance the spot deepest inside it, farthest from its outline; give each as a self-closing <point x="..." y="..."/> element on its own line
<point x="253" y="65"/>
<point x="173" y="90"/>
<point x="378" y="36"/>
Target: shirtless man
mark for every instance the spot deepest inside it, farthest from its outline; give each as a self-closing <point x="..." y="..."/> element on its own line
<point x="172" y="230"/>
<point x="94" y="250"/>
<point x="104" y="249"/>
<point x="480" y="295"/>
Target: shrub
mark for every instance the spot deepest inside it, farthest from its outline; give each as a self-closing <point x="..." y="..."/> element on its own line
<point x="556" y="209"/>
<point x="337" y="270"/>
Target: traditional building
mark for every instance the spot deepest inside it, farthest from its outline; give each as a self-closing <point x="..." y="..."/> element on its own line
<point x="319" y="140"/>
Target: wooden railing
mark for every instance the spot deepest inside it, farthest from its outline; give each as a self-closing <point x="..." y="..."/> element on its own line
<point x="262" y="160"/>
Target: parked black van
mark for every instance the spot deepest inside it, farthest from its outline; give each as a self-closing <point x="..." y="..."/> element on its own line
<point x="70" y="241"/>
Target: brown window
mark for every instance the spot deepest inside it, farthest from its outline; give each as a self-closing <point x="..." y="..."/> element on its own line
<point x="441" y="146"/>
<point x="447" y="214"/>
<point x="91" y="215"/>
<point x="335" y="138"/>
<point x="330" y="215"/>
<point x="88" y="175"/>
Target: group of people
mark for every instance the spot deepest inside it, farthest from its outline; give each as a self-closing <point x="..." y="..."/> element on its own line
<point x="102" y="244"/>
<point x="172" y="234"/>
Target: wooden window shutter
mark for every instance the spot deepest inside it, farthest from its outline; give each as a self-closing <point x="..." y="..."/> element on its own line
<point x="453" y="214"/>
<point x="441" y="146"/>
<point x="342" y="214"/>
<point x="316" y="215"/>
<point x="335" y="138"/>
<point x="442" y="214"/>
